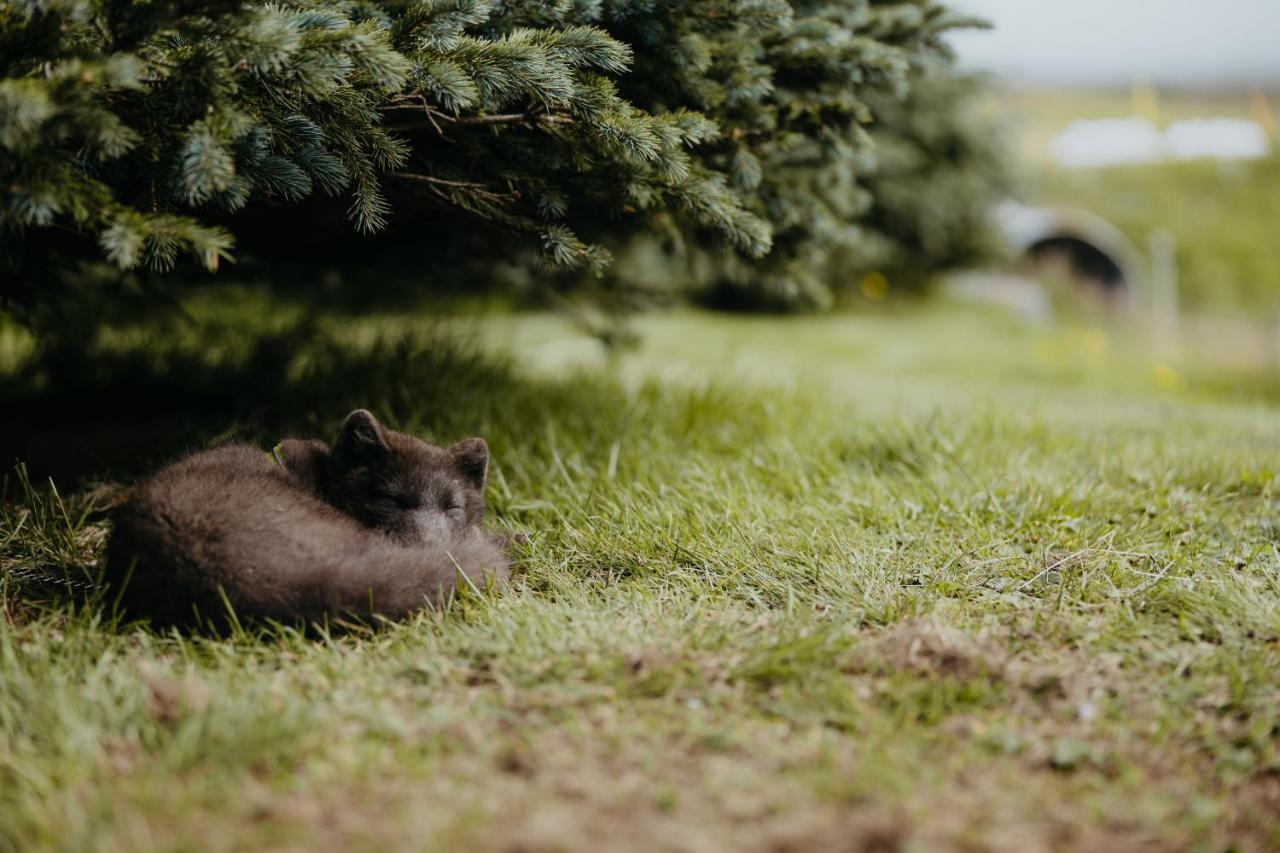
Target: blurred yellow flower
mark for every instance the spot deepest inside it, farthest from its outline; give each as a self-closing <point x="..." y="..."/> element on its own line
<point x="1047" y="351"/>
<point x="1094" y="341"/>
<point x="875" y="286"/>
<point x="1168" y="379"/>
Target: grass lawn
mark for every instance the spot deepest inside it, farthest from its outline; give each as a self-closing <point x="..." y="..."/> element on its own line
<point x="921" y="580"/>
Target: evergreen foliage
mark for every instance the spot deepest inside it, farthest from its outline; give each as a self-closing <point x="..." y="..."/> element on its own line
<point x="136" y="125"/>
<point x="795" y="88"/>
<point x="941" y="166"/>
<point x="133" y="133"/>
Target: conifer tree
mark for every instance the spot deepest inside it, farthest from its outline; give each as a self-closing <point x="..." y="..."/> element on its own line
<point x="794" y="87"/>
<point x="133" y="134"/>
<point x="941" y="166"/>
<point x="140" y="127"/>
<point x="128" y="124"/>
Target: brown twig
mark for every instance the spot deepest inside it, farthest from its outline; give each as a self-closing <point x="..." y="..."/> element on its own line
<point x="435" y="185"/>
<point x="515" y="118"/>
<point x="417" y="102"/>
<point x="420" y="102"/>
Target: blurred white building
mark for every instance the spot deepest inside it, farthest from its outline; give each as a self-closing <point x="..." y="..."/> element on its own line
<point x="1087" y="144"/>
<point x="1222" y="138"/>
<point x="1115" y="142"/>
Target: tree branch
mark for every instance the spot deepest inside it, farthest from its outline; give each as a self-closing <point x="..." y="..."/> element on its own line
<point x="417" y="102"/>
<point x="437" y="185"/>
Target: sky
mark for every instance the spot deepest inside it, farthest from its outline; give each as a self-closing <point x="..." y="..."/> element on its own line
<point x="1121" y="41"/>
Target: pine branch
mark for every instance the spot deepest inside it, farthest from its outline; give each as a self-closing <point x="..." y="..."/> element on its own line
<point x="475" y="188"/>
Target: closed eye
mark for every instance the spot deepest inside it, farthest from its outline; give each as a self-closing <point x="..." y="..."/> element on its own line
<point x="407" y="501"/>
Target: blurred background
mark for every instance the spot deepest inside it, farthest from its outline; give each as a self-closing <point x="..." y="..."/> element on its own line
<point x="1145" y="137"/>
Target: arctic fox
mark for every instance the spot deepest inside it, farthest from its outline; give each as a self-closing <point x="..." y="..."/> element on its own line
<point x="380" y="524"/>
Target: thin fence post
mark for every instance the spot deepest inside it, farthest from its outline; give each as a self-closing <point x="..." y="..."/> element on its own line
<point x="1275" y="339"/>
<point x="1164" y="289"/>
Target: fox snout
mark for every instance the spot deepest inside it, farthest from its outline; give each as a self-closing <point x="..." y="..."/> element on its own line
<point x="430" y="525"/>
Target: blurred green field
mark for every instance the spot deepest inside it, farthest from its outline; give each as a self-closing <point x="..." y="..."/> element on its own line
<point x="1223" y="216"/>
<point x="925" y="578"/>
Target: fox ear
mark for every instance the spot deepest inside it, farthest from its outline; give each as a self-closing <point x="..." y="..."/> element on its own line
<point x="361" y="439"/>
<point x="472" y="458"/>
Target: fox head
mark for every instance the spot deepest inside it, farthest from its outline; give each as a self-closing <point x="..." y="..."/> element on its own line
<point x="410" y="490"/>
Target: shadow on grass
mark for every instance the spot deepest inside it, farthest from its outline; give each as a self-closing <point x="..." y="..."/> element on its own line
<point x="83" y="426"/>
<point x="118" y="410"/>
<point x="77" y="424"/>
